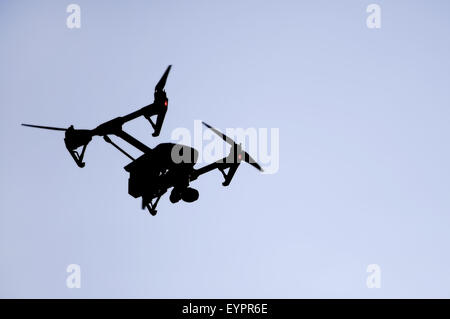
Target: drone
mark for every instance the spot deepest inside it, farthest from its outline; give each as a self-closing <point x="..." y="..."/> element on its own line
<point x="157" y="170"/>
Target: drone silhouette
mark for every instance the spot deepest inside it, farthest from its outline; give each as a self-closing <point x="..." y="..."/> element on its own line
<point x="166" y="166"/>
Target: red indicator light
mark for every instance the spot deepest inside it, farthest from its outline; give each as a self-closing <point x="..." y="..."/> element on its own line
<point x="240" y="156"/>
<point x="166" y="103"/>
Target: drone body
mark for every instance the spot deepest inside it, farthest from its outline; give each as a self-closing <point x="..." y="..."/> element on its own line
<point x="152" y="174"/>
<point x="166" y="166"/>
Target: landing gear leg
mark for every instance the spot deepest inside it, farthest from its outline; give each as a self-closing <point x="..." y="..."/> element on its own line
<point x="151" y="210"/>
<point x="151" y="206"/>
<point x="78" y="158"/>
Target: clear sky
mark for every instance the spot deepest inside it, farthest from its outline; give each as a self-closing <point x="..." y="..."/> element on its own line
<point x="363" y="178"/>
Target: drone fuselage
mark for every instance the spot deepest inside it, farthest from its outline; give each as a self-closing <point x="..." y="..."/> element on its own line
<point x="167" y="165"/>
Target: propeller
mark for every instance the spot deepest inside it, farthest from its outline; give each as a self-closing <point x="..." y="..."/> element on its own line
<point x="160" y="104"/>
<point x="45" y="127"/>
<point x="74" y="138"/>
<point x="241" y="155"/>
<point x="162" y="82"/>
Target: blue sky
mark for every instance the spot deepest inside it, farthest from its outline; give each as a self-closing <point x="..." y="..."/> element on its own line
<point x="364" y="157"/>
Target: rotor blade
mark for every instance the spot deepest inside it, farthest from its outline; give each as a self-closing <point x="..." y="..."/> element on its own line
<point x="223" y="136"/>
<point x="252" y="162"/>
<point x="162" y="81"/>
<point x="247" y="157"/>
<point x="46" y="127"/>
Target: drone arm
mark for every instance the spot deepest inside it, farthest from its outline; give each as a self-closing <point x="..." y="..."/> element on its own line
<point x="159" y="121"/>
<point x="229" y="175"/>
<point x="221" y="165"/>
<point x="203" y="170"/>
<point x="147" y="112"/>
<point x="158" y="107"/>
<point x="151" y="122"/>
<point x="131" y="140"/>
<point x="108" y="140"/>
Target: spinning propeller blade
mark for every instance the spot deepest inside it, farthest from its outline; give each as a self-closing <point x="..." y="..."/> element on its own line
<point x="252" y="162"/>
<point x="46" y="127"/>
<point x="223" y="136"/>
<point x="162" y="81"/>
<point x="246" y="157"/>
